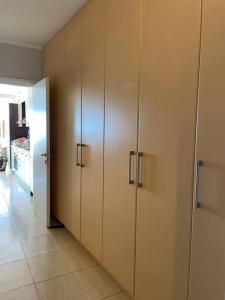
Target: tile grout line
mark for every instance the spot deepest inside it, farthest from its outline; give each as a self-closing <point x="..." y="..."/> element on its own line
<point x="73" y="272"/>
<point x="30" y="271"/>
<point x="10" y="262"/>
<point x="36" y="288"/>
<point x="34" y="283"/>
<point x="51" y="278"/>
<point x="54" y="251"/>
<point x="48" y="252"/>
<point x="51" y="251"/>
<point x="118" y="293"/>
<point x="15" y="289"/>
<point x="19" y="241"/>
<point x="61" y="242"/>
<point x="65" y="274"/>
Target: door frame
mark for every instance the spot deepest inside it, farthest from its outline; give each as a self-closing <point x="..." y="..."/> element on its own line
<point x="17" y="81"/>
<point x="29" y="83"/>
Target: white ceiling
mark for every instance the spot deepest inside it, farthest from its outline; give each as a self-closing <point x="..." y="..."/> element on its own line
<point x="33" y="23"/>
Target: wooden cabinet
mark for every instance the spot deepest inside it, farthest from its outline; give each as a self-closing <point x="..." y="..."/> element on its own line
<point x="72" y="123"/>
<point x="208" y="241"/>
<point x="54" y="68"/>
<point x="124" y="86"/>
<point x="93" y="77"/>
<point x="62" y="64"/>
<point x="121" y="111"/>
<point x="167" y="120"/>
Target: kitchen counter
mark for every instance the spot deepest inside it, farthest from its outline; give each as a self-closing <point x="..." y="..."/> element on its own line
<point x="20" y="149"/>
<point x="22" y="165"/>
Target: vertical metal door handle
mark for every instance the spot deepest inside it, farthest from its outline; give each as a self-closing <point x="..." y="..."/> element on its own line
<point x="82" y="156"/>
<point x="78" y="163"/>
<point x="130" y="179"/>
<point x="198" y="165"/>
<point x="139" y="169"/>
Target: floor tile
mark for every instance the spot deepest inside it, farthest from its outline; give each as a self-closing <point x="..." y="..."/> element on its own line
<point x="121" y="296"/>
<point x="24" y="219"/>
<point x="25" y="293"/>
<point x="63" y="237"/>
<point x="48" y="266"/>
<point x="78" y="258"/>
<point x="11" y="252"/>
<point x="2" y="198"/>
<point x="4" y="210"/>
<point x="31" y="230"/>
<point x="99" y="281"/>
<point x="57" y="263"/>
<point x="8" y="234"/>
<point x="21" y="212"/>
<point x="14" y="275"/>
<point x="15" y="194"/>
<point x="90" y="284"/>
<point x="19" y="206"/>
<point x="39" y="245"/>
<point x="5" y="213"/>
<point x="7" y="221"/>
<point x="60" y="288"/>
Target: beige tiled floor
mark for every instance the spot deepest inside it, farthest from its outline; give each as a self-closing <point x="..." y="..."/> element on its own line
<point x="37" y="263"/>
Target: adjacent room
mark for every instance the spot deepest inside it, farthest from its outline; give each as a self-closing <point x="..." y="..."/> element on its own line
<point x="15" y="119"/>
<point x="112" y="166"/>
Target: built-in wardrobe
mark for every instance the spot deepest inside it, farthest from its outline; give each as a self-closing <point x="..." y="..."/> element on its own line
<point x="208" y="242"/>
<point x="124" y="83"/>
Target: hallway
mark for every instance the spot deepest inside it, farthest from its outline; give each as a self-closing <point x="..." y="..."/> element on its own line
<point x="37" y="263"/>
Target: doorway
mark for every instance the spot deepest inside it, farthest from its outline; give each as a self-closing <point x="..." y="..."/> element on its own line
<point x="4" y="135"/>
<point x="24" y="132"/>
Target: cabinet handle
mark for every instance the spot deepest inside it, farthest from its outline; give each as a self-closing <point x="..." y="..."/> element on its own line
<point x="139" y="169"/>
<point x="82" y="156"/>
<point x="130" y="179"/>
<point x="78" y="163"/>
<point x="198" y="165"/>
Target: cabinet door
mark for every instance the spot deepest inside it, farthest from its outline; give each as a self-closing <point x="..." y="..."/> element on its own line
<point x="168" y="100"/>
<point x="208" y="245"/>
<point x="54" y="67"/>
<point x="72" y="125"/>
<point x="93" y="125"/>
<point x="121" y="110"/>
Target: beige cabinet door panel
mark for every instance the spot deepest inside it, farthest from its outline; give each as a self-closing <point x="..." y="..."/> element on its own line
<point x="72" y="123"/>
<point x="54" y="67"/>
<point x="121" y="109"/>
<point x="93" y="42"/>
<point x="208" y="245"/>
<point x="168" y="101"/>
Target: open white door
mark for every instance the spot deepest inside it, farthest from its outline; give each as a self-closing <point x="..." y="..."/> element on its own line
<point x="41" y="146"/>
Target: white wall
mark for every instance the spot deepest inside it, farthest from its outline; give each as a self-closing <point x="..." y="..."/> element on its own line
<point x="20" y="62"/>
